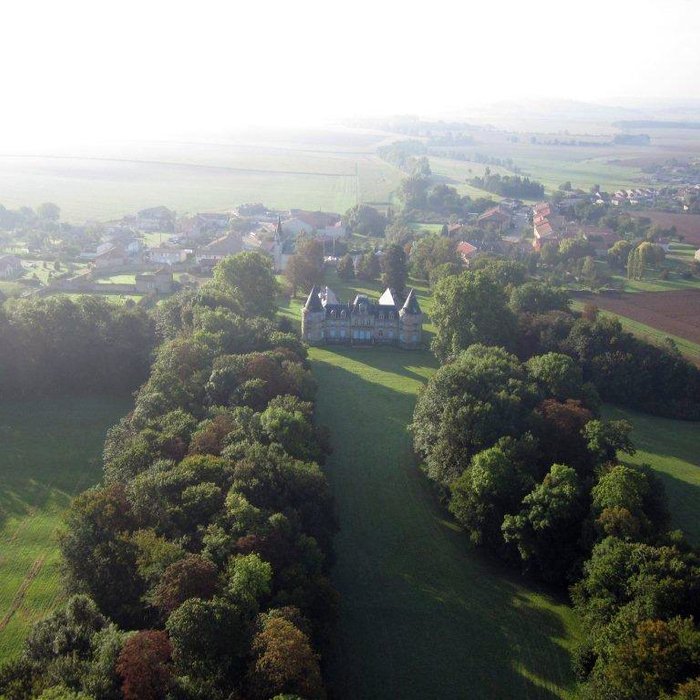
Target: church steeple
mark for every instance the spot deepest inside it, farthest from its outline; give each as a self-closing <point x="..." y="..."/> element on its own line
<point x="278" y="232"/>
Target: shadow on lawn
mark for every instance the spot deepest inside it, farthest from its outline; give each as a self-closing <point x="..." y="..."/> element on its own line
<point x="422" y="614"/>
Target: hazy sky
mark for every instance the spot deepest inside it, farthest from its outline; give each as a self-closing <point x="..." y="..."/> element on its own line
<point x="74" y="68"/>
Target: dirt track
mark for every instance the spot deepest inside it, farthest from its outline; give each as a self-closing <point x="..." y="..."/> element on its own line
<point x="677" y="313"/>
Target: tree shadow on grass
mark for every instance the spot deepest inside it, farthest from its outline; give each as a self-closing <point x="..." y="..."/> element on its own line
<point x="422" y="614"/>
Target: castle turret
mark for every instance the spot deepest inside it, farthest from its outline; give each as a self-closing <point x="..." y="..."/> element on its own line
<point x="313" y="318"/>
<point x="411" y="320"/>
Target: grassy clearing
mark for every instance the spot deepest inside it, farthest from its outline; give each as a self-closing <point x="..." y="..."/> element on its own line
<point x="51" y="451"/>
<point x="422" y="614"/>
<point x="671" y="448"/>
<point x="124" y="278"/>
<point x="650" y="334"/>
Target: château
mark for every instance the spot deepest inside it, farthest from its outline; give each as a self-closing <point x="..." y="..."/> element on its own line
<point x="393" y="320"/>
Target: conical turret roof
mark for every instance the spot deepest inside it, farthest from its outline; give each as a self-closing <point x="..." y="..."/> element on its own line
<point x="410" y="306"/>
<point x="313" y="303"/>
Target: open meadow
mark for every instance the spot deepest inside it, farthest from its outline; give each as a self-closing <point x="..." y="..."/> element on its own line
<point x="671" y="448"/>
<point x="51" y="451"/>
<point x="422" y="614"/>
<point x="328" y="170"/>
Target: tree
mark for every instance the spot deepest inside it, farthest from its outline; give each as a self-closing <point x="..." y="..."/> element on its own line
<point x="635" y="491"/>
<point x="655" y="658"/>
<point x="557" y="374"/>
<point x="470" y="308"/>
<point x="538" y="298"/>
<point x="305" y="267"/>
<point x="547" y="528"/>
<point x="251" y="279"/>
<point x="190" y="577"/>
<point x="368" y="267"/>
<point x="394" y="272"/>
<point x="207" y="637"/>
<point x="346" y="268"/>
<point x="249" y="579"/>
<point x="283" y="662"/>
<point x="49" y="211"/>
<point x="466" y="406"/>
<point x="618" y="253"/>
<point x="489" y="488"/>
<point x="429" y="252"/>
<point x="145" y="666"/>
<point x="365" y="220"/>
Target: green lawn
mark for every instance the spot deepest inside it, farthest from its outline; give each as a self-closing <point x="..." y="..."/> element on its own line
<point x="124" y="278"/>
<point x="51" y="451"/>
<point x="422" y="614"/>
<point x="671" y="448"/>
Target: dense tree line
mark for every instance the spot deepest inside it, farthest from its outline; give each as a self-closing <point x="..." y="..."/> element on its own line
<point x="515" y="186"/>
<point x="510" y="432"/>
<point x="493" y="304"/>
<point x="199" y="568"/>
<point x="56" y="346"/>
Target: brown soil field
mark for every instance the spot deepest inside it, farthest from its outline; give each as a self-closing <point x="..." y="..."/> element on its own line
<point x="686" y="224"/>
<point x="677" y="312"/>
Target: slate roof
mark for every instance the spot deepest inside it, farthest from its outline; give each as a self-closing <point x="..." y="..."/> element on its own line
<point x="324" y="299"/>
<point x="410" y="306"/>
<point x="313" y="303"/>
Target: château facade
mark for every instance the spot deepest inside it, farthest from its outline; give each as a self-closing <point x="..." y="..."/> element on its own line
<point x="393" y="320"/>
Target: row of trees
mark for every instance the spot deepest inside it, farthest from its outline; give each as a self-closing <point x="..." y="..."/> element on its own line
<point x="199" y="569"/>
<point x="56" y="346"/>
<point x="516" y="445"/>
<point x="508" y="185"/>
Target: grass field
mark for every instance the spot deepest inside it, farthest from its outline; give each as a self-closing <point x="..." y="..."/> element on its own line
<point x="51" y="451"/>
<point x="671" y="448"/>
<point x="330" y="171"/>
<point x="422" y="614"/>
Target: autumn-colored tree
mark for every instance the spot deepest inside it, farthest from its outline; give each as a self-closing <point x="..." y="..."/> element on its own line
<point x="191" y="577"/>
<point x="284" y="662"/>
<point x="145" y="666"/>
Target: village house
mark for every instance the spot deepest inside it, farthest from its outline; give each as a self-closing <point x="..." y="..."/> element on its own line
<point x="114" y="256"/>
<point x="496" y="216"/>
<point x="158" y="282"/>
<point x="393" y="320"/>
<point x="212" y="253"/>
<point x="10" y="265"/>
<point x="167" y="255"/>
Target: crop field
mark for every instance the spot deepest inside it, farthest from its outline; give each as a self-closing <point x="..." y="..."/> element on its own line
<point x="671" y="448"/>
<point x="51" y="451"/>
<point x="422" y="614"/>
<point x="332" y="172"/>
<point x="674" y="312"/>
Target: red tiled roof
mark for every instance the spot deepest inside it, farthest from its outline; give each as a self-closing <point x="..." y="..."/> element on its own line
<point x="466" y="249"/>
